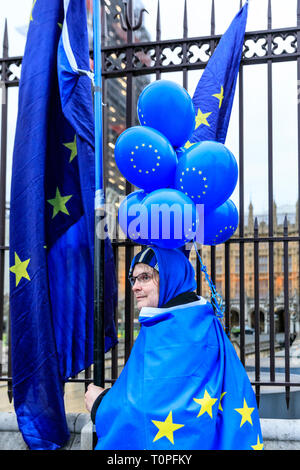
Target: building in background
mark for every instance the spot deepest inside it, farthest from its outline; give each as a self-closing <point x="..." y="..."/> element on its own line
<point x="115" y="99"/>
<point x="263" y="268"/>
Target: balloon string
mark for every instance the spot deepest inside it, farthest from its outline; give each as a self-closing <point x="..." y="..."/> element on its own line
<point x="217" y="299"/>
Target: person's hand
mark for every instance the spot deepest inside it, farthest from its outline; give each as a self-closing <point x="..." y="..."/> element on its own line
<point x="91" y="394"/>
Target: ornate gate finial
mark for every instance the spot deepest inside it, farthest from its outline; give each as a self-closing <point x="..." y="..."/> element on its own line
<point x="126" y="23"/>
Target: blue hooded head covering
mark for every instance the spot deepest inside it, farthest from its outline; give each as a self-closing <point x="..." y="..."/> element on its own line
<point x="176" y="273"/>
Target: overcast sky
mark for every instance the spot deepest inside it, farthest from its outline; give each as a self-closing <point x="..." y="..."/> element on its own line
<point x="255" y="85"/>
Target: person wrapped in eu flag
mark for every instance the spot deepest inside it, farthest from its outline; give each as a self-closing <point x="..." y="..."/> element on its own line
<point x="183" y="386"/>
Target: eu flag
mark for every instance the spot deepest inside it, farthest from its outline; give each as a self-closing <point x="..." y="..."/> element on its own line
<point x="213" y="97"/>
<point x="183" y="386"/>
<point x="52" y="221"/>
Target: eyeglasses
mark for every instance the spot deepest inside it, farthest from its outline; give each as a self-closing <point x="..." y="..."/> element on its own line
<point x="143" y="278"/>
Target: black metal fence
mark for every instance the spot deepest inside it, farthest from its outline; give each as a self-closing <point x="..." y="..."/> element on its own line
<point x="127" y="65"/>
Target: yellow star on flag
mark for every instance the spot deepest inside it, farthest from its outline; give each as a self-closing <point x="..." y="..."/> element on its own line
<point x="201" y="118"/>
<point x="73" y="147"/>
<point x="246" y="413"/>
<point x="259" y="445"/>
<point x="59" y="203"/>
<point x="20" y="269"/>
<point x="220" y="96"/>
<point x="189" y="144"/>
<point x="166" y="428"/>
<point x="222" y="395"/>
<point x="34" y="2"/>
<point x="206" y="403"/>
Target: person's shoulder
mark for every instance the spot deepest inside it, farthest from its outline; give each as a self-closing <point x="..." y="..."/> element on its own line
<point x="182" y="299"/>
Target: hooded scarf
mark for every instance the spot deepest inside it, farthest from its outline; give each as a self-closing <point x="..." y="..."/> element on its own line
<point x="172" y="280"/>
<point x="183" y="386"/>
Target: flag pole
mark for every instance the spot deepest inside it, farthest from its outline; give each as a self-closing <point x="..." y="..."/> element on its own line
<point x="99" y="204"/>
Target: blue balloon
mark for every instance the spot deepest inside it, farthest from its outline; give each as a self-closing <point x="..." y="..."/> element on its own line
<point x="172" y="218"/>
<point x="207" y="173"/>
<point x="219" y="224"/>
<point x="167" y="107"/>
<point x="146" y="158"/>
<point x="129" y="215"/>
<point x="180" y="152"/>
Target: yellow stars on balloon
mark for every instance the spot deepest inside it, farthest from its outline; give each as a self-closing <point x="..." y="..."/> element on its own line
<point x="220" y="96"/>
<point x="259" y="445"/>
<point x="20" y="269"/>
<point x="246" y="413"/>
<point x="206" y="403"/>
<point x="202" y="184"/>
<point x="73" y="147"/>
<point x="59" y="203"/>
<point x="201" y="118"/>
<point x="141" y="117"/>
<point x="134" y="155"/>
<point x="166" y="428"/>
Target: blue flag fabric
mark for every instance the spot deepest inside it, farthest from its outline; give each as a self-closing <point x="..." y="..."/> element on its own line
<point x="214" y="94"/>
<point x="52" y="222"/>
<point x="183" y="386"/>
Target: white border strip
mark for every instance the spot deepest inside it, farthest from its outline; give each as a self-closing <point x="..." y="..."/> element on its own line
<point x="66" y="40"/>
<point x="151" y="312"/>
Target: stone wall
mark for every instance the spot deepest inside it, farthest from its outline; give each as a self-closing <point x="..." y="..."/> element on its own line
<point x="11" y="438"/>
<point x="278" y="434"/>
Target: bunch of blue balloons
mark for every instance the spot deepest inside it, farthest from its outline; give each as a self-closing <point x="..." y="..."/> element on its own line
<point x="175" y="184"/>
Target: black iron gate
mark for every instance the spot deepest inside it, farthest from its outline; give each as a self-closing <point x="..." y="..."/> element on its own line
<point x="128" y="62"/>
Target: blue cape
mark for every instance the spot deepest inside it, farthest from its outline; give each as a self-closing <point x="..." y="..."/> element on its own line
<point x="183" y="386"/>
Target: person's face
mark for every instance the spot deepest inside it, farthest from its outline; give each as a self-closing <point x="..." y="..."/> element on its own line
<point x="146" y="293"/>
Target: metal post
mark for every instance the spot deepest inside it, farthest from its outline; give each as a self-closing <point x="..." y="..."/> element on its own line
<point x="129" y="11"/>
<point x="271" y="201"/>
<point x="99" y="206"/>
<point x="3" y="92"/>
<point x="257" y="311"/>
<point x="286" y="310"/>
<point x="241" y="215"/>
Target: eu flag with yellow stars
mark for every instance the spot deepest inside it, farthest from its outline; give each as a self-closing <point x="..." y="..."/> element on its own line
<point x="52" y="221"/>
<point x="183" y="386"/>
<point x="214" y="94"/>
